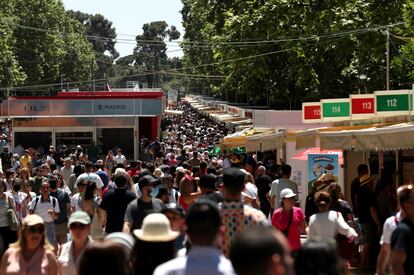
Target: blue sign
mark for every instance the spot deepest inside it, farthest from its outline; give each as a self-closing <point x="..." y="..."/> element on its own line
<point x="319" y="164"/>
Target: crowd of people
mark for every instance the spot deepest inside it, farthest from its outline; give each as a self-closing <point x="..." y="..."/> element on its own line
<point x="188" y="208"/>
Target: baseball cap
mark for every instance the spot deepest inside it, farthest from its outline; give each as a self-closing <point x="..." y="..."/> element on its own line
<point x="33" y="219"/>
<point x="172" y="207"/>
<point x="80" y="217"/>
<point x="145" y="181"/>
<point x="287" y="193"/>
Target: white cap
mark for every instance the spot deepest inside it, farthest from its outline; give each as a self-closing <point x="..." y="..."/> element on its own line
<point x="287" y="193"/>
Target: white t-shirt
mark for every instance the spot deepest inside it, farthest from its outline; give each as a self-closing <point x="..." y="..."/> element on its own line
<point x="42" y="207"/>
<point x="389" y="226"/>
<point x="327" y="224"/>
<point x="92" y="177"/>
<point x="280" y="184"/>
<point x="119" y="159"/>
<point x="18" y="198"/>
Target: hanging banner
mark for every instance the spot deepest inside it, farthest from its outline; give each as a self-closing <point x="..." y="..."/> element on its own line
<point x="337" y="109"/>
<point x="319" y="164"/>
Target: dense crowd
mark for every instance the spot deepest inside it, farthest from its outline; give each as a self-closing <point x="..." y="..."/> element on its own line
<point x="186" y="207"/>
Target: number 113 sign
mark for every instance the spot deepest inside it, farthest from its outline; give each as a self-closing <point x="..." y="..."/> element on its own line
<point x="362" y="106"/>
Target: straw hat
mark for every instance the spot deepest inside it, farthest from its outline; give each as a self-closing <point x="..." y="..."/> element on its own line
<point x="156" y="228"/>
<point x="158" y="173"/>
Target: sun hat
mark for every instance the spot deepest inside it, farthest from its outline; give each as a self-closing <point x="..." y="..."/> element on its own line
<point x="33" y="220"/>
<point x="158" y="173"/>
<point x="121" y="238"/>
<point x="327" y="177"/>
<point x="80" y="217"/>
<point x="287" y="193"/>
<point x="156" y="228"/>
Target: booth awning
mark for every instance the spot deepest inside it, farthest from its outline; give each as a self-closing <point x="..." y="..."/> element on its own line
<point x="255" y="139"/>
<point x="173" y="112"/>
<point x="309" y="138"/>
<point x="381" y="138"/>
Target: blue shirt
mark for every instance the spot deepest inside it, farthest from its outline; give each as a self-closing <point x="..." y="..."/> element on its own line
<point x="104" y="177"/>
<point x="63" y="200"/>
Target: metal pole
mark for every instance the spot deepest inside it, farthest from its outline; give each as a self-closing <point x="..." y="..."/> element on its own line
<point x="61" y="82"/>
<point x="388" y="59"/>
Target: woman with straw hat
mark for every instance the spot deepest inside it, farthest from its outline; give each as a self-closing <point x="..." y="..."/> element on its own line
<point x="154" y="245"/>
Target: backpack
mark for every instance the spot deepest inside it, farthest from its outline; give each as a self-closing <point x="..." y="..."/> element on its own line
<point x="38" y="198"/>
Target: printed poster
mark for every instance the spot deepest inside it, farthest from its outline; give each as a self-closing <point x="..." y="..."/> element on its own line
<point x="319" y="164"/>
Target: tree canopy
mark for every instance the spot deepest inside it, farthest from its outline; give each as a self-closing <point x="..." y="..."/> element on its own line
<point x="283" y="52"/>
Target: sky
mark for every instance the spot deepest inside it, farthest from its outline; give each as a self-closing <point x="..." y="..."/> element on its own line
<point x="128" y="17"/>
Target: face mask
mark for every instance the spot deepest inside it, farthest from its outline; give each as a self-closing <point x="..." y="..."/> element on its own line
<point x="16" y="187"/>
<point x="154" y="192"/>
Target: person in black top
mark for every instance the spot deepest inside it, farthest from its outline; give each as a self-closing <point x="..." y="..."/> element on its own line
<point x="368" y="218"/>
<point x="402" y="239"/>
<point x="114" y="204"/>
<point x="263" y="183"/>
<point x="138" y="209"/>
<point x="208" y="188"/>
<point x="362" y="170"/>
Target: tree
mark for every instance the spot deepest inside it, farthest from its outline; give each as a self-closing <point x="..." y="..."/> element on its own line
<point x="102" y="35"/>
<point x="284" y="52"/>
<point x="151" y="47"/>
<point x="10" y="72"/>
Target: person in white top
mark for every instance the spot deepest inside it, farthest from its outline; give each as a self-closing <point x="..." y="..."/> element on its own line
<point x="327" y="224"/>
<point x="90" y="176"/>
<point x="203" y="228"/>
<point x="67" y="170"/>
<point x="280" y="184"/>
<point x="79" y="226"/>
<point x="384" y="256"/>
<point x="119" y="158"/>
<point x="47" y="207"/>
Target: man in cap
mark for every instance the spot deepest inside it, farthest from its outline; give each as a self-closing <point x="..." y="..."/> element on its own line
<point x="176" y="216"/>
<point x="147" y="203"/>
<point x="234" y="212"/>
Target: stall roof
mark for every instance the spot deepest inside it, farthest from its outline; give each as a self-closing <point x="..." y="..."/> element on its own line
<point x="379" y="137"/>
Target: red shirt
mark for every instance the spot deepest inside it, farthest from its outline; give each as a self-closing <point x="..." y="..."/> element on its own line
<point x="280" y="220"/>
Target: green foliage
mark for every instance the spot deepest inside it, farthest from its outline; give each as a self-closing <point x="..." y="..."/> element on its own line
<point x="10" y="72"/>
<point x="39" y="42"/>
<point x="150" y="52"/>
<point x="308" y="59"/>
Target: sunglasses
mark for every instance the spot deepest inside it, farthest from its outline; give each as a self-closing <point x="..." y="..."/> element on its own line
<point x="77" y="225"/>
<point x="36" y="229"/>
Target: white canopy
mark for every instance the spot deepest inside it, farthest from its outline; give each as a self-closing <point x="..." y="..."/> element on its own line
<point x="382" y="138"/>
